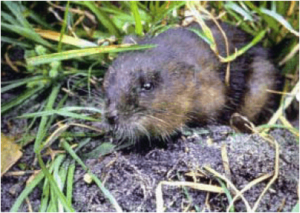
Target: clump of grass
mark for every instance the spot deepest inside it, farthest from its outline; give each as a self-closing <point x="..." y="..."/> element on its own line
<point x="73" y="37"/>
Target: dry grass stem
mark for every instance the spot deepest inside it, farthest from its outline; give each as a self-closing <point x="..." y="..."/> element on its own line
<point x="287" y="102"/>
<point x="198" y="186"/>
<point x="276" y="170"/>
<point x="291" y="8"/>
<point x="207" y="197"/>
<point x="227" y="75"/>
<point x="77" y="11"/>
<point x="278" y="92"/>
<point x="62" y="128"/>
<point x="21" y="173"/>
<point x="215" y="173"/>
<point x="86" y="126"/>
<point x="28" y="204"/>
<point x="10" y="63"/>
<point x="225" y="161"/>
<point x="285" y="122"/>
<point x="247" y="187"/>
<point x="282" y="205"/>
<point x="294" y="51"/>
<point x="55" y="135"/>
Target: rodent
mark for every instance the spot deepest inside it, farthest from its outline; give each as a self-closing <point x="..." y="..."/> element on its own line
<point x="157" y="91"/>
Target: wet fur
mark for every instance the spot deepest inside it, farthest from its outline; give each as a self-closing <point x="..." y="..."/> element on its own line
<point x="187" y="84"/>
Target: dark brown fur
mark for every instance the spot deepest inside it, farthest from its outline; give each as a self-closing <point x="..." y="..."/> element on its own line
<point x="155" y="92"/>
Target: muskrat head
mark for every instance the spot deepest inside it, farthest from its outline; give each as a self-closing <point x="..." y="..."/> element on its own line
<point x="147" y="96"/>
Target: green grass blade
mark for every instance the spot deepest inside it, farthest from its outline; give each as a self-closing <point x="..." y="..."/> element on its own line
<point x="52" y="207"/>
<point x="15" y="8"/>
<point x="76" y="116"/>
<point x="252" y="6"/>
<point x="227" y="192"/>
<point x="241" y="51"/>
<point x="102" y="17"/>
<point x="243" y="25"/>
<point x="152" y="7"/>
<point x="137" y="18"/>
<point x="39" y="20"/>
<point x="282" y="6"/>
<point x="27" y="191"/>
<point x="270" y="22"/>
<point x="43" y="59"/>
<point x="101" y="150"/>
<point x="8" y="18"/>
<point x="57" y="164"/>
<point x="118" y="14"/>
<point x="235" y="7"/>
<point x="63" y="28"/>
<point x="58" y="112"/>
<point x="54" y="186"/>
<point x="200" y="33"/>
<point x="207" y="33"/>
<point x="106" y="193"/>
<point x="164" y="10"/>
<point x="160" y="29"/>
<point x="29" y="79"/>
<point x="21" y="82"/>
<point x="70" y="179"/>
<point x="45" y="196"/>
<point x="81" y="144"/>
<point x="296" y="208"/>
<point x="20" y="99"/>
<point x="268" y="126"/>
<point x="59" y="175"/>
<point x="273" y="6"/>
<point x="69" y="149"/>
<point x="76" y="108"/>
<point x="59" y="105"/>
<point x="280" y="19"/>
<point x="26" y="33"/>
<point x="15" y="42"/>
<point x="79" y="135"/>
<point x="42" y="130"/>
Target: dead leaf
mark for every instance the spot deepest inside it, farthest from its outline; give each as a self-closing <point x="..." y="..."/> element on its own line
<point x="10" y="153"/>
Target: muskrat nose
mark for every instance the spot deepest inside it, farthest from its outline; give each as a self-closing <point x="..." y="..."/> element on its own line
<point x="112" y="116"/>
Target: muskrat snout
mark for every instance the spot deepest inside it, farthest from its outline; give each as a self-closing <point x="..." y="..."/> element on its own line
<point x="111" y="112"/>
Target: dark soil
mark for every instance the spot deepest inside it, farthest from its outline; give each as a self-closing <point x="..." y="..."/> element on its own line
<point x="132" y="177"/>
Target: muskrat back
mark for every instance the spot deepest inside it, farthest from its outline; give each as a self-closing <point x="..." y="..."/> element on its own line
<point x="157" y="91"/>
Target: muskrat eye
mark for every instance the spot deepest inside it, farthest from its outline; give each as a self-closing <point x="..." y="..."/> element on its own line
<point x="147" y="86"/>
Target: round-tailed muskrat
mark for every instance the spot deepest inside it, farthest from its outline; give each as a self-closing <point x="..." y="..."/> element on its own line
<point x="157" y="91"/>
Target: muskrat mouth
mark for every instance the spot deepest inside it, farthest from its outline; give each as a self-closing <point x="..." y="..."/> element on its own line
<point x="131" y="132"/>
<point x="141" y="126"/>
